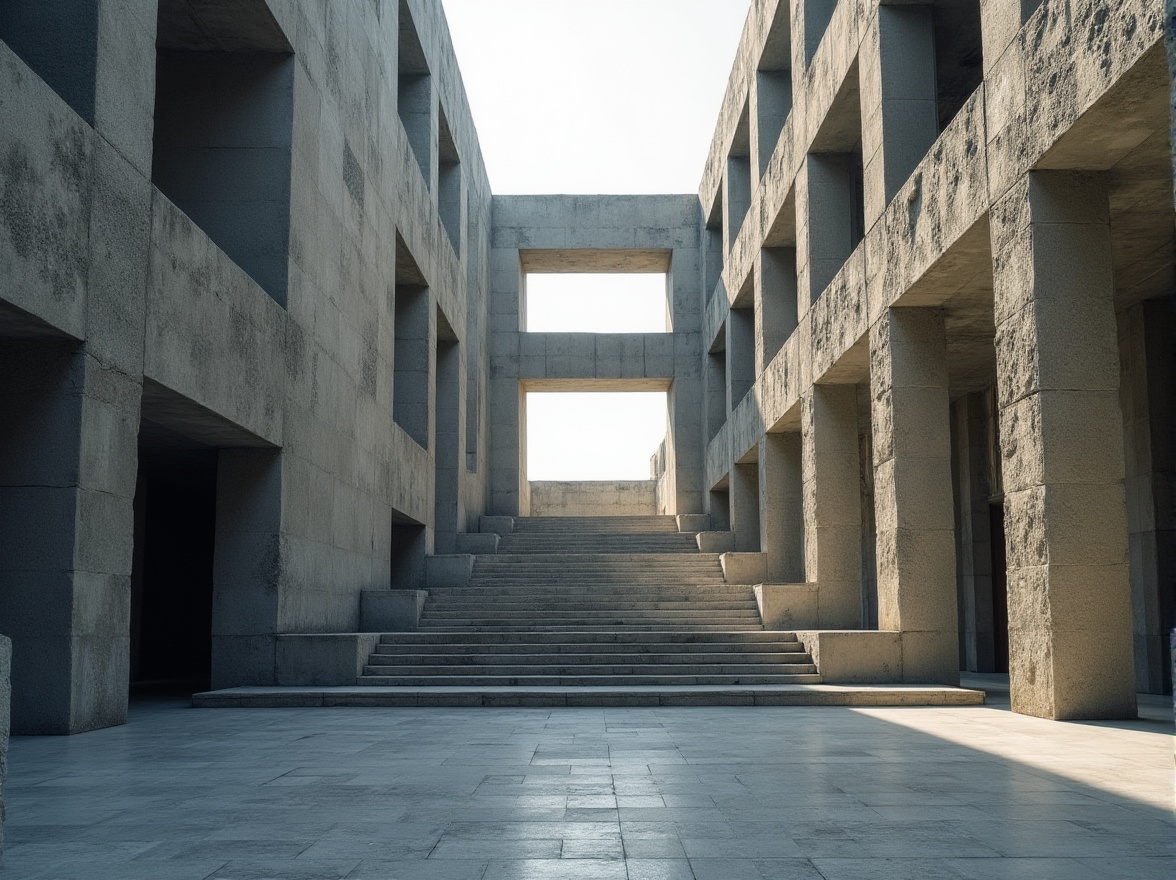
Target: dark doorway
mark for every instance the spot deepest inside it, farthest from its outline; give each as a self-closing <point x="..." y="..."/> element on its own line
<point x="172" y="572"/>
<point x="1000" y="589"/>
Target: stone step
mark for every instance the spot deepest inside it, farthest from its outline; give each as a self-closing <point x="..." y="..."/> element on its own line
<point x="547" y="670"/>
<point x="448" y="658"/>
<point x="580" y="637"/>
<point x="653" y="650"/>
<point x="531" y="593"/>
<point x="598" y="559"/>
<point x="582" y="680"/>
<point x="558" y="627"/>
<point x="366" y="695"/>
<point x="595" y="523"/>
<point x="579" y="603"/>
<point x="434" y="615"/>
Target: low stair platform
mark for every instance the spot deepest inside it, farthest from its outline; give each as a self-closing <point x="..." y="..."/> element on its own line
<point x="611" y="696"/>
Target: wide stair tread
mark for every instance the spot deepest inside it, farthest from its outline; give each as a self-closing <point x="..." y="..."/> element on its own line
<point x="610" y="602"/>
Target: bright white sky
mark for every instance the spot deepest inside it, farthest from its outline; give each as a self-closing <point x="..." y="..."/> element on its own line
<point x="595" y="96"/>
<point x="596" y="303"/>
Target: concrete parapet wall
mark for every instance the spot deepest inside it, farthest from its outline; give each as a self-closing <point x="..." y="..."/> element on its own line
<point x="594" y="498"/>
<point x="854" y="656"/>
<point x="787" y="606"/>
<point x="323" y="659"/>
<point x="391" y="610"/>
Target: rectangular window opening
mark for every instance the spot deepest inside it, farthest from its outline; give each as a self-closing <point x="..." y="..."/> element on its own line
<point x="836" y="201"/>
<point x="412" y="353"/>
<point x="773" y="88"/>
<point x="630" y="302"/>
<point x="959" y="55"/>
<point x="713" y="255"/>
<point x="414" y="94"/>
<point x="594" y="435"/>
<point x="738" y="183"/>
<point x="58" y="39"/>
<point x="450" y="201"/>
<point x="817" y="15"/>
<point x="716" y="384"/>
<point x="223" y="133"/>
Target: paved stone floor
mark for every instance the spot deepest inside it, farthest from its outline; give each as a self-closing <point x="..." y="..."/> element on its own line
<point x="705" y="793"/>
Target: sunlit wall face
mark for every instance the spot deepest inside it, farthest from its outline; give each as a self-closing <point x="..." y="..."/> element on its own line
<point x="596" y="303"/>
<point x="593" y="435"/>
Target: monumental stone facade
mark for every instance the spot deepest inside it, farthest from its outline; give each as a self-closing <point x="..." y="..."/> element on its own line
<point x="263" y="342"/>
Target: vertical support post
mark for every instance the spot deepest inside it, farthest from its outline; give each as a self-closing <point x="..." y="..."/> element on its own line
<point x="912" y="491"/>
<point x="832" y="503"/>
<point x="1062" y="447"/>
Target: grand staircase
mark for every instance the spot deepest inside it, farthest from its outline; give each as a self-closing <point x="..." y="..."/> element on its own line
<point x="591" y="602"/>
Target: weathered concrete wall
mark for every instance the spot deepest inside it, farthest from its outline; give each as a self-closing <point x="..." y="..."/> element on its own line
<point x="594" y="498"/>
<point x="829" y="263"/>
<point x="242" y="299"/>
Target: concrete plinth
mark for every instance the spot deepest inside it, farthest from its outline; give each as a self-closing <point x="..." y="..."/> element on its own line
<point x="391" y="610"/>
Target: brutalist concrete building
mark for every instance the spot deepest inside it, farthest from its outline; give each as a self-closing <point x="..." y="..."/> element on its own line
<point x="264" y="358"/>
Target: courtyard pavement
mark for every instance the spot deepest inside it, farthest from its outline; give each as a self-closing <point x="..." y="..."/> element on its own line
<point x="674" y="793"/>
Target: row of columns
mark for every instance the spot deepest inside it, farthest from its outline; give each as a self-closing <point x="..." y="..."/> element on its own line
<point x="799" y="497"/>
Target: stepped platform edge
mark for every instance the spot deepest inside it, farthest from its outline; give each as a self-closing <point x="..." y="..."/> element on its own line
<point x="552" y="697"/>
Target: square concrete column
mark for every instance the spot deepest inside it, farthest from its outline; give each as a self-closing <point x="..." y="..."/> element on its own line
<point x="248" y="567"/>
<point x="912" y="491"/>
<point x="1061" y="434"/>
<point x="832" y="503"/>
<point x="975" y="540"/>
<point x="67" y="486"/>
<point x="745" y="506"/>
<point x="782" y="507"/>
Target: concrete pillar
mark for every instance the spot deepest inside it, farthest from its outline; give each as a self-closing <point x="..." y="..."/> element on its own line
<point x="447" y="518"/>
<point x="782" y="507"/>
<point x="974" y="545"/>
<point x="248" y="566"/>
<point x="832" y="503"/>
<point x="912" y="491"/>
<point x="1148" y="400"/>
<point x="775" y="303"/>
<point x="1062" y="447"/>
<point x="67" y="484"/>
<point x="909" y="112"/>
<point x="745" y="506"/>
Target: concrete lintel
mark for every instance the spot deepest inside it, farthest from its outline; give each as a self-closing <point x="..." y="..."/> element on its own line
<point x="391" y="610"/>
<point x="323" y="659"/>
<point x="602" y="260"/>
<point x="496" y="525"/>
<point x="787" y="606"/>
<point x="855" y="656"/>
<point x="449" y="571"/>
